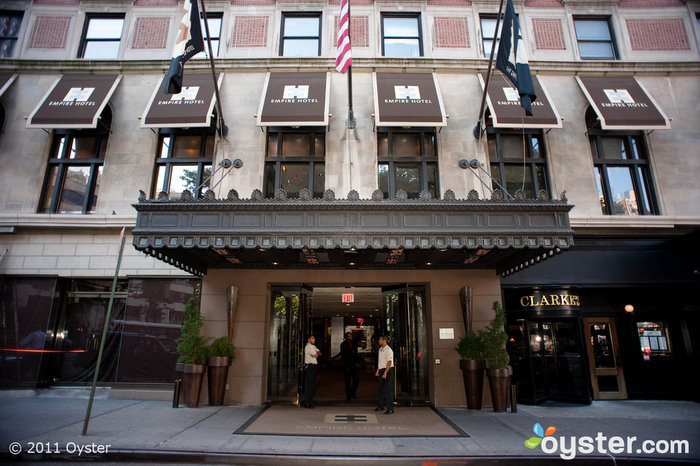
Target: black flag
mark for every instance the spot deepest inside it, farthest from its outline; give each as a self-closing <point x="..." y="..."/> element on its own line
<point x="512" y="59"/>
<point x="189" y="42"/>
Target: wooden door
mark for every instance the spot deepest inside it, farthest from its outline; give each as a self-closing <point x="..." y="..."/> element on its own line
<point x="607" y="376"/>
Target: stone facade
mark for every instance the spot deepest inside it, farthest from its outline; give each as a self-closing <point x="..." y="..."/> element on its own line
<point x="657" y="42"/>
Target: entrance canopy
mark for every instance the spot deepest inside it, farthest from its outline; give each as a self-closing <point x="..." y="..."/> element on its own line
<point x="192" y="107"/>
<point x="196" y="235"/>
<point x="74" y="101"/>
<point x="408" y="99"/>
<point x="504" y="103"/>
<point x="6" y="80"/>
<point x="295" y="99"/>
<point x="622" y="103"/>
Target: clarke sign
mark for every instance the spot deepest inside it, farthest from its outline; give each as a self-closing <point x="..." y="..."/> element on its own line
<point x="544" y="299"/>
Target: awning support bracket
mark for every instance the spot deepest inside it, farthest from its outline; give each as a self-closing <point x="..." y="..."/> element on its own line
<point x="474" y="163"/>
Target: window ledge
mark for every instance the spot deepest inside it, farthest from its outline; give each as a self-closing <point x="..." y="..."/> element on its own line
<point x="641" y="221"/>
<point x="67" y="221"/>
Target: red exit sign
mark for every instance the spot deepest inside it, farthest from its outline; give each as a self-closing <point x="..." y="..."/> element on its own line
<point x="348" y="297"/>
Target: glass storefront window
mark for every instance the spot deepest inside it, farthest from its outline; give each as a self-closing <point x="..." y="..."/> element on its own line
<point x="25" y="306"/>
<point x="601" y="341"/>
<point x="653" y="340"/>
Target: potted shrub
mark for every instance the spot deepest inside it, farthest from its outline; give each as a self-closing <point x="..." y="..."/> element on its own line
<point x="220" y="353"/>
<point x="192" y="348"/>
<point x="497" y="370"/>
<point x="471" y="350"/>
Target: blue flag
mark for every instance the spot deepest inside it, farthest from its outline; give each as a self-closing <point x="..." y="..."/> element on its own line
<point x="512" y="58"/>
<point x="189" y="42"/>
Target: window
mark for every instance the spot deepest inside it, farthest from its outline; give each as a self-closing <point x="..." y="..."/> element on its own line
<point x="401" y="35"/>
<point x="653" y="340"/>
<point x="74" y="169"/>
<point x="184" y="161"/>
<point x="214" y="22"/>
<point x="407" y="160"/>
<point x="594" y="37"/>
<point x="301" y="35"/>
<point x="516" y="166"/>
<point x="488" y="33"/>
<point x="10" y="22"/>
<point x="101" y="37"/>
<point x="295" y="160"/>
<point x="622" y="171"/>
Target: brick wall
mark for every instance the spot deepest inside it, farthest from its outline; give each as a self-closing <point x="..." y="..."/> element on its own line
<point x="50" y="32"/>
<point x="658" y="34"/>
<point x="451" y="32"/>
<point x="170" y="3"/>
<point x="151" y="33"/>
<point x="449" y="3"/>
<point x="353" y="2"/>
<point x="359" y="31"/>
<point x="549" y="34"/>
<point x="252" y="2"/>
<point x="57" y="2"/>
<point x="250" y="31"/>
<point x="544" y="3"/>
<point x="648" y="3"/>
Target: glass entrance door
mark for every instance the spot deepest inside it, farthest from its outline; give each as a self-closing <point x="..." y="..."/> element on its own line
<point x="606" y="372"/>
<point x="404" y="323"/>
<point x="290" y="321"/>
<point x="552" y="367"/>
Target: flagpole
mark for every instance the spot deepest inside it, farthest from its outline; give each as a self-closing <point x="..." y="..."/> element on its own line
<point x="223" y="129"/>
<point x="350" y="123"/>
<point x="104" y="332"/>
<point x="477" y="128"/>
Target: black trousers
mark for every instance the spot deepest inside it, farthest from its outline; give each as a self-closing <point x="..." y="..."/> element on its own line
<point x="311" y="371"/>
<point x="385" y="395"/>
<point x="352" y="380"/>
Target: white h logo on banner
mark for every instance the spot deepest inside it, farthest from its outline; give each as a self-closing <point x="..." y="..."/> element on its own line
<point x="296" y="92"/>
<point x="407" y="92"/>
<point x="187" y="93"/>
<point x="618" y="96"/>
<point x="511" y="94"/>
<point x="78" y="94"/>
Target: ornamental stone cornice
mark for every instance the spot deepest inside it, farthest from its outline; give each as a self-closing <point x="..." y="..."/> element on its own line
<point x="174" y="230"/>
<point x="359" y="64"/>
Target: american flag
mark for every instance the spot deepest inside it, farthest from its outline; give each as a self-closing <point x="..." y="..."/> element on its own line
<point x="343" y="59"/>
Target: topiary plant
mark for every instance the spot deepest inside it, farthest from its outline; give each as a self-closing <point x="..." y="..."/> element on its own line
<point x="471" y="346"/>
<point x="494" y="338"/>
<point x="221" y="348"/>
<point x="192" y="346"/>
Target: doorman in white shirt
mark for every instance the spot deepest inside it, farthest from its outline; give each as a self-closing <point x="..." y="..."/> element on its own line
<point x="311" y="354"/>
<point x="385" y="377"/>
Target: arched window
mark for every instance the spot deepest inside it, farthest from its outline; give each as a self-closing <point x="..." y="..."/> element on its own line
<point x="183" y="161"/>
<point x="407" y="160"/>
<point x="518" y="160"/>
<point x="622" y="170"/>
<point x="74" y="170"/>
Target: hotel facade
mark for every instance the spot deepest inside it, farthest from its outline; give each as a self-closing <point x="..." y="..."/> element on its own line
<point x="582" y="219"/>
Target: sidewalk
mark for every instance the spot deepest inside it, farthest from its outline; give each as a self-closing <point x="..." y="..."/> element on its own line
<point x="148" y="431"/>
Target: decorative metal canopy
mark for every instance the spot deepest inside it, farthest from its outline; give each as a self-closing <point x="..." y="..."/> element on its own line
<point x="305" y="232"/>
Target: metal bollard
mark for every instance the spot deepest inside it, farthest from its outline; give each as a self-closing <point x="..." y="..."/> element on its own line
<point x="513" y="398"/>
<point x="176" y="393"/>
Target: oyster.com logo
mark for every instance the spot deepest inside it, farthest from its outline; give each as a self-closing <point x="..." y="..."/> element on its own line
<point x="533" y="442"/>
<point x="571" y="445"/>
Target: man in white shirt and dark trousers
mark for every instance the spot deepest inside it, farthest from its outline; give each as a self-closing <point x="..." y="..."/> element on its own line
<point x="311" y="353"/>
<point x="385" y="377"/>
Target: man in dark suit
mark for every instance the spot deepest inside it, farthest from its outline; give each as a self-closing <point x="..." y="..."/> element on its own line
<point x="348" y="354"/>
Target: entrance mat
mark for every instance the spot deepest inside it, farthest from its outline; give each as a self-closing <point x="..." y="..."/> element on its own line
<point x="341" y="421"/>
